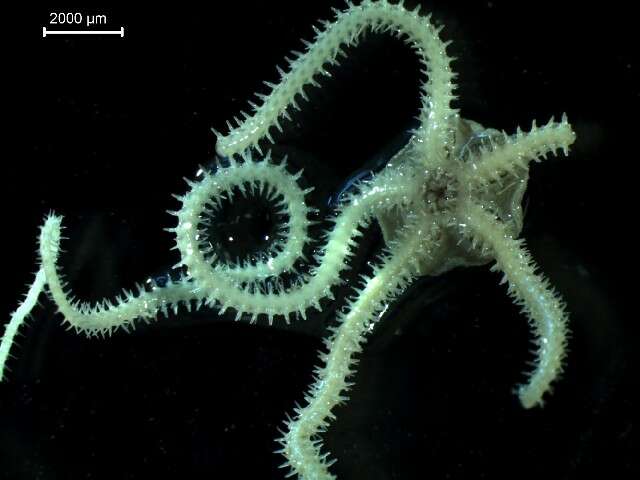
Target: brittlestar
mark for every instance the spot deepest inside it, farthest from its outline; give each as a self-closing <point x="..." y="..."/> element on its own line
<point x="450" y="197"/>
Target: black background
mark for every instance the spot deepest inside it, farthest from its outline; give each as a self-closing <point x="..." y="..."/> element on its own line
<point x="102" y="130"/>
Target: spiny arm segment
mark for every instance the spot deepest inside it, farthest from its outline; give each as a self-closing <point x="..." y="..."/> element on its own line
<point x="106" y="316"/>
<point x="219" y="286"/>
<point x="539" y="302"/>
<point x="18" y="318"/>
<point x="100" y="319"/>
<point x="208" y="280"/>
<point x="301" y="444"/>
<point x="204" y="200"/>
<point x="511" y="154"/>
<point x="434" y="136"/>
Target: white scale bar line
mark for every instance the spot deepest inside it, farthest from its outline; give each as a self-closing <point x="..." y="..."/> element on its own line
<point x="46" y="32"/>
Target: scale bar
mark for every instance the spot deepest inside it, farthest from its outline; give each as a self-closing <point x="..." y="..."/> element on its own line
<point x="46" y="32"/>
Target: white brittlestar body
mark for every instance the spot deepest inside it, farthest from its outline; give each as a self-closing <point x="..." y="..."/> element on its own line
<point x="451" y="197"/>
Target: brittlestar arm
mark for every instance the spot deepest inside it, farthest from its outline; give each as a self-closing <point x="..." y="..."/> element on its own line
<point x="18" y="318"/>
<point x="542" y="305"/>
<point x="511" y="154"/>
<point x="204" y="199"/>
<point x="435" y="131"/>
<point x="220" y="283"/>
<point x="106" y="316"/>
<point x="301" y="445"/>
<point x="331" y="260"/>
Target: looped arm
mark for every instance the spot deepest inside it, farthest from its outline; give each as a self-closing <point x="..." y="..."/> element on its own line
<point x="219" y="286"/>
<point x="434" y="135"/>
